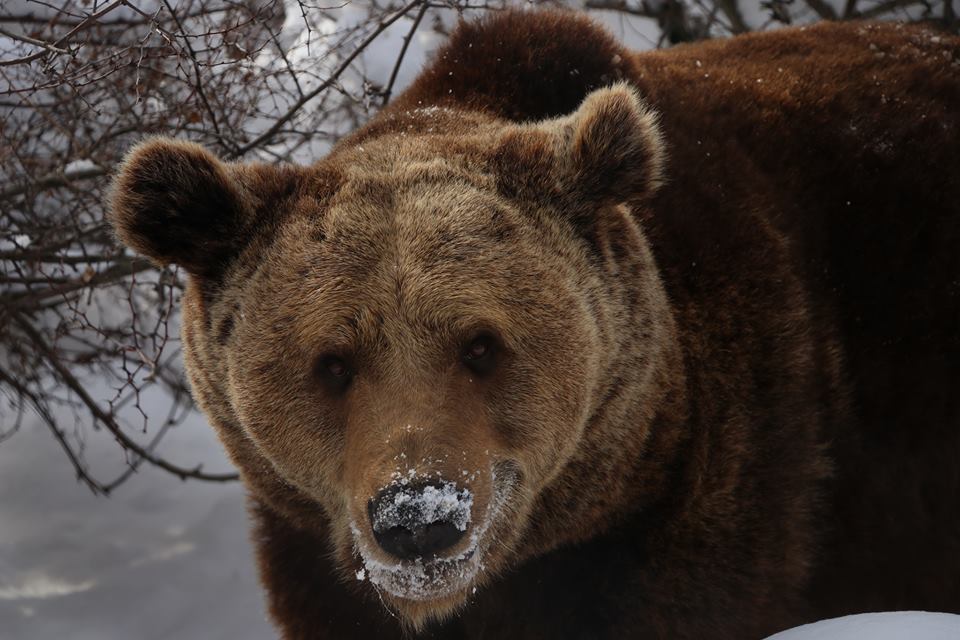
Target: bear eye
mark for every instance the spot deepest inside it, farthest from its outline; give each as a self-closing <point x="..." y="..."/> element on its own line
<point x="334" y="371"/>
<point x="336" y="367"/>
<point x="479" y="355"/>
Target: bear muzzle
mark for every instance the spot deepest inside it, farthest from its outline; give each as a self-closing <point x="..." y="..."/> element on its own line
<point x="420" y="520"/>
<point x="424" y="538"/>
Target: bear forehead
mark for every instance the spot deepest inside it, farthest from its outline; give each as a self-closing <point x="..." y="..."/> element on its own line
<point x="416" y="215"/>
<point x="418" y="181"/>
<point x="424" y="244"/>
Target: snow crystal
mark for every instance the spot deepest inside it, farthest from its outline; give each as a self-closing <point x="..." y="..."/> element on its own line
<point x="417" y="506"/>
<point x="78" y="166"/>
<point x="40" y="586"/>
<point x="431" y="110"/>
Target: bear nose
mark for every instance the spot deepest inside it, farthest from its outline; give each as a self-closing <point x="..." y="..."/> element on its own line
<point x="419" y="520"/>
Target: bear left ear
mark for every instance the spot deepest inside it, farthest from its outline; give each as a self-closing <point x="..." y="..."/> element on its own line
<point x="608" y="151"/>
<point x="176" y="202"/>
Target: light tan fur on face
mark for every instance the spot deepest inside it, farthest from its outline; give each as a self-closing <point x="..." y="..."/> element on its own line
<point x="417" y="250"/>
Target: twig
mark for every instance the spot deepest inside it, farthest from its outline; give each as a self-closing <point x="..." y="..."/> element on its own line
<point x="106" y="419"/>
<point x="621" y="5"/>
<point x="52" y="180"/>
<point x="732" y="10"/>
<point x="822" y="9"/>
<point x="888" y="6"/>
<point x="122" y="268"/>
<point x="82" y="25"/>
<point x="61" y="438"/>
<point x="299" y="104"/>
<point x="199" y="82"/>
<point x="403" y="51"/>
<point x="33" y="41"/>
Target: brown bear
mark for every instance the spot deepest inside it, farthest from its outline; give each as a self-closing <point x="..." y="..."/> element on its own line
<point x="574" y="342"/>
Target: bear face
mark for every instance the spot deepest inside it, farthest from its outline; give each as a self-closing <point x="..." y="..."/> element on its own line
<point x="409" y="345"/>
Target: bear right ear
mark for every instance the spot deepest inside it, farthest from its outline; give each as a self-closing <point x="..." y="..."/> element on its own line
<point x="176" y="202"/>
<point x="608" y="151"/>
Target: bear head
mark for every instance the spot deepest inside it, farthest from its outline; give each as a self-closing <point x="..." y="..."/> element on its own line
<point x="413" y="345"/>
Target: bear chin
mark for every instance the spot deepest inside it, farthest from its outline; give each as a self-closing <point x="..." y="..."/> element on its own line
<point x="416" y="615"/>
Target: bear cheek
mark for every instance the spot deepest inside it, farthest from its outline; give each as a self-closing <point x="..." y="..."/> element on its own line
<point x="295" y="430"/>
<point x="554" y="432"/>
<point x="544" y="406"/>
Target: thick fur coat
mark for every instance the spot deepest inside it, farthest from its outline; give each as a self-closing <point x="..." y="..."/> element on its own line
<point x="716" y="293"/>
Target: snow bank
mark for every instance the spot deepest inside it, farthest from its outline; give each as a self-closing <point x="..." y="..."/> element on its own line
<point x="899" y="625"/>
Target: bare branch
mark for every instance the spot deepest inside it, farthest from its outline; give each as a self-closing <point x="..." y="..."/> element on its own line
<point x="267" y="135"/>
<point x="731" y="9"/>
<point x="823" y="9"/>
<point x="106" y="419"/>
<point x="888" y="7"/>
<point x="89" y="20"/>
<point x="52" y="180"/>
<point x="33" y="41"/>
<point x="403" y="52"/>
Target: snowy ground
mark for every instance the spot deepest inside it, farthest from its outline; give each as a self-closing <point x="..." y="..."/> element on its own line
<point x="158" y="559"/>
<point x="910" y="625"/>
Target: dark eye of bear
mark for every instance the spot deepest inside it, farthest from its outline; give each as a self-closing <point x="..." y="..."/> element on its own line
<point x="334" y="371"/>
<point x="479" y="354"/>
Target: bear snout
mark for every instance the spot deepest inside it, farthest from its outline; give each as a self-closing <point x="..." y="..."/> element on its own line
<point x="420" y="520"/>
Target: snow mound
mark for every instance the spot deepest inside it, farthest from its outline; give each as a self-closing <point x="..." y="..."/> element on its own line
<point x="896" y="625"/>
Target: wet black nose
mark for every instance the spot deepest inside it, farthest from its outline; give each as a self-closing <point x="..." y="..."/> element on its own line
<point x="419" y="520"/>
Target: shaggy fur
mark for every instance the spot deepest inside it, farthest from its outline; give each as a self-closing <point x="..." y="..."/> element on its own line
<point x="724" y="293"/>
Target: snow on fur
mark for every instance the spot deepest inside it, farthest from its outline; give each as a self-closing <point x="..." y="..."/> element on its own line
<point x="412" y="506"/>
<point x="425" y="580"/>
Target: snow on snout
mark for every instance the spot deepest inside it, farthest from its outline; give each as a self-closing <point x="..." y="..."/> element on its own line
<point x="421" y="579"/>
<point x="411" y="507"/>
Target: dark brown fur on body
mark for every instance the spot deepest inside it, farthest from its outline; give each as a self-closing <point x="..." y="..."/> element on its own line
<point x="728" y="388"/>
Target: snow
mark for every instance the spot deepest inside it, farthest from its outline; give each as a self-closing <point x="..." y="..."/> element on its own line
<point x="79" y="166"/>
<point x="38" y="585"/>
<point x="159" y="559"/>
<point x="901" y="625"/>
<point x="435" y="578"/>
<point x="422" y="506"/>
<point x="22" y="240"/>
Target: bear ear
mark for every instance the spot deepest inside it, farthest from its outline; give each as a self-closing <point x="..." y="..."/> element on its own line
<point x="176" y="202"/>
<point x="608" y="151"/>
<point x="616" y="151"/>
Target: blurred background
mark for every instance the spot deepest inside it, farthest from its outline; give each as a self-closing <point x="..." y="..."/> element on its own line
<point x="120" y="516"/>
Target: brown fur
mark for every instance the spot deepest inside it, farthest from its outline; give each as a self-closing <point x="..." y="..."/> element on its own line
<point x="726" y="302"/>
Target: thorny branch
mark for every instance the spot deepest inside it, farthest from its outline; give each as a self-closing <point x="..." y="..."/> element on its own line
<point x="88" y="331"/>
